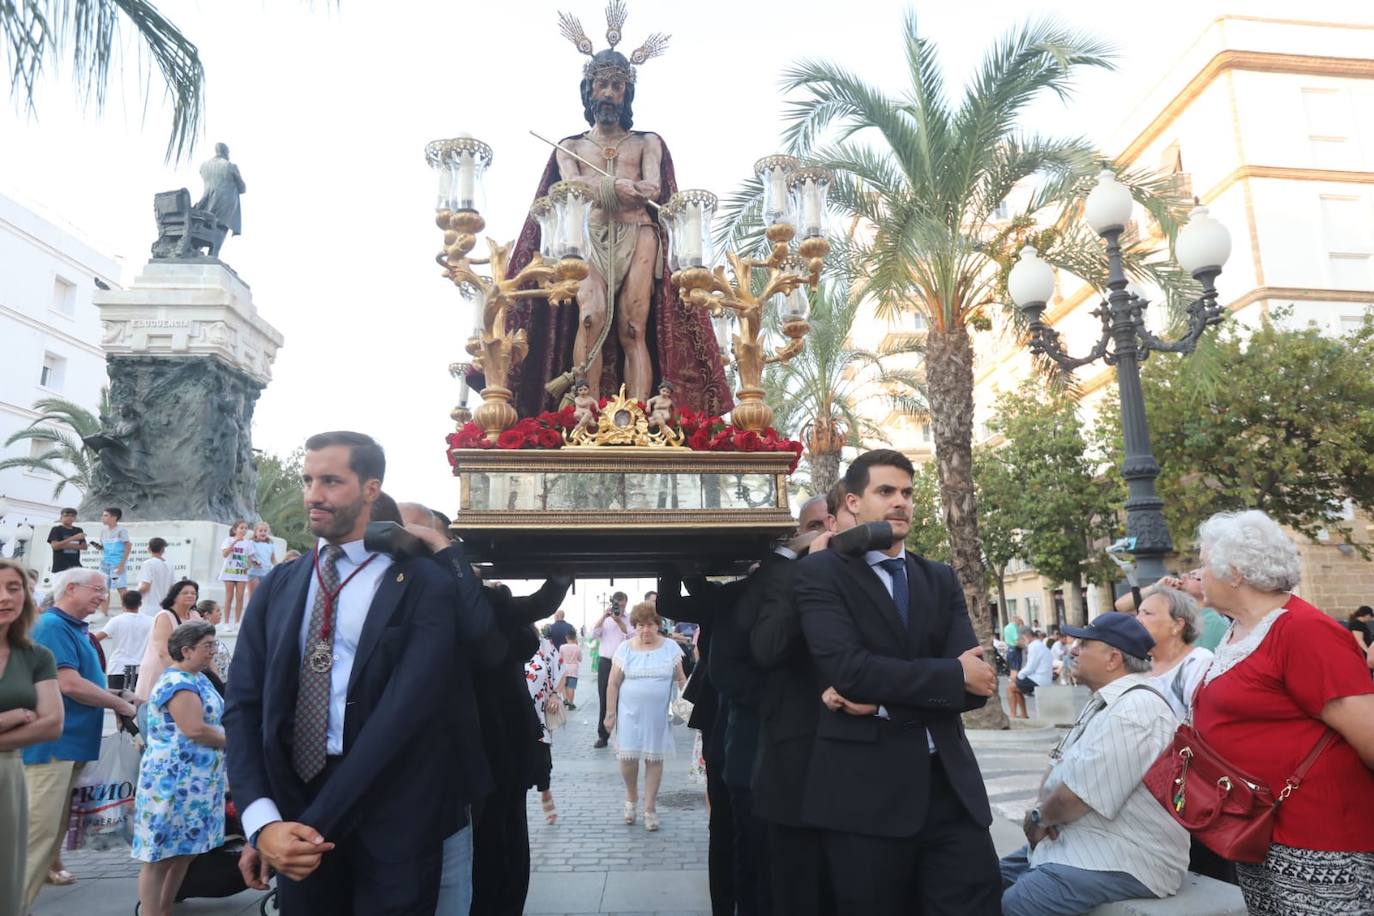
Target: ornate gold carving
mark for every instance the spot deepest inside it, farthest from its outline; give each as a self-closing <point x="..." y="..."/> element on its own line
<point x="622" y="422"/>
<point x="498" y="349"/>
<point x="712" y="290"/>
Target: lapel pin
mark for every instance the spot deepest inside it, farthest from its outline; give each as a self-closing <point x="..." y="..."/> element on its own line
<point x="400" y="577"/>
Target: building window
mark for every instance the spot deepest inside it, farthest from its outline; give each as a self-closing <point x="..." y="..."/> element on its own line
<point x="64" y="297"/>
<point x="1351" y="324"/>
<point x="1348" y="232"/>
<point x="926" y="435"/>
<point x="1330" y="127"/>
<point x="1001" y="211"/>
<point x="53" y="372"/>
<point x="1349" y="271"/>
<point x="1171" y="164"/>
<point x="1011" y="608"/>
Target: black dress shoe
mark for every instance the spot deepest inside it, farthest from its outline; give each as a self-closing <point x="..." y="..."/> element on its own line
<point x="601" y="742"/>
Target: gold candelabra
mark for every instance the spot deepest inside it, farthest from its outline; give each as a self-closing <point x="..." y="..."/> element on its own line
<point x="789" y="191"/>
<point x="494" y="349"/>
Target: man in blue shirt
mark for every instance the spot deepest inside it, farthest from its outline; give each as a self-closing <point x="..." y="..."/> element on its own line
<point x="51" y="768"/>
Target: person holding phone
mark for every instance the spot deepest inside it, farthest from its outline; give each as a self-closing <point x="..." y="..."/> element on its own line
<point x="610" y="631"/>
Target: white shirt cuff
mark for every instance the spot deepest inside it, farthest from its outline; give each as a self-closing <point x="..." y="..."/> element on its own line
<point x="258" y="815"/>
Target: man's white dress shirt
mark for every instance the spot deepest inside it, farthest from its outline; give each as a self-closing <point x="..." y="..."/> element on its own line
<point x="350" y="613"/>
<point x="874" y="559"/>
<point x="1102" y="760"/>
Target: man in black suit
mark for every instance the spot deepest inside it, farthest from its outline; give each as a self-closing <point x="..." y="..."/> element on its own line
<point x="335" y="716"/>
<point x="741" y="683"/>
<point x="893" y="782"/>
<point x="796" y="874"/>
<point x="705" y="602"/>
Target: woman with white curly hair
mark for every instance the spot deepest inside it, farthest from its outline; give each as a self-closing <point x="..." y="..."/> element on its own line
<point x="1285" y="675"/>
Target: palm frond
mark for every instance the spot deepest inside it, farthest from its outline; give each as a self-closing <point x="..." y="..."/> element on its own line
<point x="840" y="97"/>
<point x="38" y="33"/>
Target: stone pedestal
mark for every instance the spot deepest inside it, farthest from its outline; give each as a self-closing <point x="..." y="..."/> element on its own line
<point x="188" y="356"/>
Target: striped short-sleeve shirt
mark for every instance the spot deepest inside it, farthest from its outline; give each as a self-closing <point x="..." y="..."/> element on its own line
<point x="1102" y="761"/>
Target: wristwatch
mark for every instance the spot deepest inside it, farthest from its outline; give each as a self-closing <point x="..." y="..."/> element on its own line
<point x="1035" y="817"/>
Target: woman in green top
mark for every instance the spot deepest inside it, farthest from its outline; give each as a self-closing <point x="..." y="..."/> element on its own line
<point x="30" y="713"/>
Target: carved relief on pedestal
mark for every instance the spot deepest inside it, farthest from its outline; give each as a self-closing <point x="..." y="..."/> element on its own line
<point x="113" y="332"/>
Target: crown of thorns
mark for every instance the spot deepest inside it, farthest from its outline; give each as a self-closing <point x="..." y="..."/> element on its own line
<point x="616" y="13"/>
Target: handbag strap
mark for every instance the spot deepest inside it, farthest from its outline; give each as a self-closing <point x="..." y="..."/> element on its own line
<point x="1292" y="782"/>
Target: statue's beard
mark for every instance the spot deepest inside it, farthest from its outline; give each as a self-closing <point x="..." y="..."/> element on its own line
<point x="607" y="112"/>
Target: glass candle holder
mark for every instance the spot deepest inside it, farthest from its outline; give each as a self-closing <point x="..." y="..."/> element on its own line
<point x="774" y="173"/>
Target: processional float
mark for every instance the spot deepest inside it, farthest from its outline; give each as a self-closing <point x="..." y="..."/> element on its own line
<point x="609" y="481"/>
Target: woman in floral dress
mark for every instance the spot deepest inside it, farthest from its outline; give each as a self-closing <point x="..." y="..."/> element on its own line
<point x="542" y="675"/>
<point x="179" y="805"/>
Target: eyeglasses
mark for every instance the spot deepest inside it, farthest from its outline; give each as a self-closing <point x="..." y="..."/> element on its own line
<point x="98" y="589"/>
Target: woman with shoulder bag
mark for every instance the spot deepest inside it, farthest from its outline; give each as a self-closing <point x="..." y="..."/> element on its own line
<point x="1287" y="708"/>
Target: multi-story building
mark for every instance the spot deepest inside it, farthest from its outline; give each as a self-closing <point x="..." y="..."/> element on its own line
<point x="1270" y="123"/>
<point x="51" y="334"/>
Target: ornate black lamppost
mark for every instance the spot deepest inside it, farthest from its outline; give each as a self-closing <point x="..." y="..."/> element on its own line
<point x="1202" y="247"/>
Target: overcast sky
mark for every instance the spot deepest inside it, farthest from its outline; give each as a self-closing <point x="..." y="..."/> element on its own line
<point x="327" y="107"/>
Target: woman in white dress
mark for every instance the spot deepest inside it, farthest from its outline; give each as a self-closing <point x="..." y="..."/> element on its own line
<point x="643" y="672"/>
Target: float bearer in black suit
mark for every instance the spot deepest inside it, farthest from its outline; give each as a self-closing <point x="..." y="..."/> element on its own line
<point x="346" y="789"/>
<point x="893" y="783"/>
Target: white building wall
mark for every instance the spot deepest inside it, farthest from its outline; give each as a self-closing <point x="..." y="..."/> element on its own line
<point x="47" y="276"/>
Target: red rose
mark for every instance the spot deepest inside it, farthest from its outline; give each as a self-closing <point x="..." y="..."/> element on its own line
<point x="747" y="440"/>
<point x="511" y="438"/>
<point x="484" y="442"/>
<point x="722" y="442"/>
<point x="550" y="438"/>
<point x="698" y="441"/>
<point x="527" y="426"/>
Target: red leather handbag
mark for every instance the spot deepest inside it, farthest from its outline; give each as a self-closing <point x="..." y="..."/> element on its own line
<point x="1229" y="811"/>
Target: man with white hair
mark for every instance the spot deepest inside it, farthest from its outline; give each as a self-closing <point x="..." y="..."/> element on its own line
<point x="1096" y="835"/>
<point x="51" y="768"/>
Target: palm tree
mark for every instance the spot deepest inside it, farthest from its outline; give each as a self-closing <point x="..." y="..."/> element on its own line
<point x="42" y="33"/>
<point x="820" y="389"/>
<point x="61" y="426"/>
<point x="927" y="175"/>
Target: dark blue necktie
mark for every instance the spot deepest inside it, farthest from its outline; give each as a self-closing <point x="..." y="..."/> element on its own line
<point x="896" y="568"/>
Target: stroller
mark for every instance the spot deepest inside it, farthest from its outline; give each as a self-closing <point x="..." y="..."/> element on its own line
<point x="216" y="873"/>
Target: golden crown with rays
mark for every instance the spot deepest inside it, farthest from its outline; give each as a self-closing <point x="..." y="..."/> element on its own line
<point x="616" y="14"/>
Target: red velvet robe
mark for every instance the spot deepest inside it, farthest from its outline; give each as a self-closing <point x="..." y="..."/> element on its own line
<point x="682" y="345"/>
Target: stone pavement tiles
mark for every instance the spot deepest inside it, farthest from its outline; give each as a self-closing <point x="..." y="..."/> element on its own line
<point x="590" y="861"/>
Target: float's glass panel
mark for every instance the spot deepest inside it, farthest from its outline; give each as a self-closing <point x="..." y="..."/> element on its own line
<point x="583" y="491"/>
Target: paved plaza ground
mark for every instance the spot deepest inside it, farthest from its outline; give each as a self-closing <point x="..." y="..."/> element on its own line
<point x="590" y="861"/>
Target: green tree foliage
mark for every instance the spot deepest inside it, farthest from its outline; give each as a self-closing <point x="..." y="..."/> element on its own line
<point x="279" y="498"/>
<point x="928" y="536"/>
<point x="60" y="428"/>
<point x="1001" y="509"/>
<point x="1061" y="504"/>
<point x="1289" y="429"/>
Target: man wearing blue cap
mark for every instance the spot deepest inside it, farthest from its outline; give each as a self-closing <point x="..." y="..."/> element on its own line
<point x="1096" y="835"/>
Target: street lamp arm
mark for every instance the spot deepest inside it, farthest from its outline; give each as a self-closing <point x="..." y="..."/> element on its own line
<point x="1203" y="312"/>
<point x="1044" y="341"/>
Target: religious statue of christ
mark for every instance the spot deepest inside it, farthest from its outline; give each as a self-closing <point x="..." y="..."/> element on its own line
<point x="629" y="326"/>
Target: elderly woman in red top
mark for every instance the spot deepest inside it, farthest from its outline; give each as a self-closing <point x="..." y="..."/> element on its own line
<point x="1285" y="673"/>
